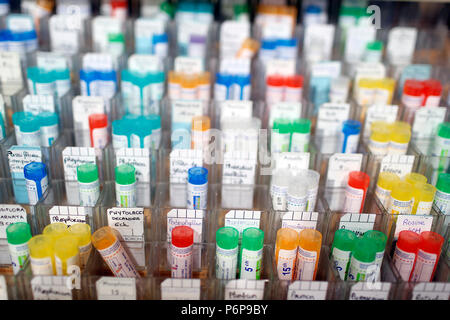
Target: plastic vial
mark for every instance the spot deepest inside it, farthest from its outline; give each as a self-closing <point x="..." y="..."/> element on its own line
<point x="141" y="134"/>
<point x="17" y="235"/>
<point x="83" y="232"/>
<point x="432" y="92"/>
<point x="120" y="134"/>
<point x="379" y="138"/>
<point x="441" y="143"/>
<point x="155" y="124"/>
<point x="341" y="250"/>
<point x="197" y="46"/>
<point x="293" y="88"/>
<point x="189" y="85"/>
<point x="197" y="188"/>
<point x="286" y="253"/>
<point x="412" y="98"/>
<point x="373" y="52"/>
<point x="279" y="188"/>
<point x="49" y="128"/>
<point x="355" y="192"/>
<point x="309" y="245"/>
<point x="429" y="250"/>
<point x="287" y="48"/>
<point x="200" y="132"/>
<point x="98" y="127"/>
<point x="297" y="195"/>
<point x="125" y="186"/>
<point x="174" y="85"/>
<point x="182" y="252"/>
<point x="222" y="87"/>
<point x="160" y="45"/>
<point x="442" y="197"/>
<point x="339" y="89"/>
<point x="274" y="89"/>
<point x="268" y="50"/>
<point x="415" y="178"/>
<point x="281" y="136"/>
<point x="88" y="184"/>
<point x="30" y="134"/>
<point x="243" y="86"/>
<point x="16" y="119"/>
<point x="401" y="200"/>
<point x="251" y="253"/>
<point x="399" y="139"/>
<point x="423" y="198"/>
<point x="113" y="253"/>
<point x="41" y="255"/>
<point x="313" y="178"/>
<point x="385" y="184"/>
<point x="204" y="87"/>
<point x="362" y="263"/>
<point x="36" y="181"/>
<point x="350" y="136"/>
<point x="55" y="231"/>
<point x="66" y="254"/>
<point x="379" y="239"/>
<point x="405" y="253"/>
<point x="227" y="251"/>
<point x="301" y="130"/>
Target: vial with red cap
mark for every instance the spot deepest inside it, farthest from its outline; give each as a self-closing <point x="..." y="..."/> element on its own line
<point x="412" y="98"/>
<point x="181" y="252"/>
<point x="98" y="128"/>
<point x="355" y="192"/>
<point x="428" y="252"/>
<point x="274" y="89"/>
<point x="405" y="253"/>
<point x="293" y="88"/>
<point x="432" y="93"/>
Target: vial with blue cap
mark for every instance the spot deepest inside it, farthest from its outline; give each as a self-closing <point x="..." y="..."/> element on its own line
<point x="287" y="48"/>
<point x="160" y="45"/>
<point x="30" y="133"/>
<point x="197" y="188"/>
<point x="350" y="136"/>
<point x="222" y="87"/>
<point x="49" y="128"/>
<point x="36" y="181"/>
<point x="242" y="87"/>
<point x="268" y="50"/>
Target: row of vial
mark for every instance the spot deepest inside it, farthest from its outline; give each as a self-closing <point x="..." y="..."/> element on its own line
<point x="183" y="86"/>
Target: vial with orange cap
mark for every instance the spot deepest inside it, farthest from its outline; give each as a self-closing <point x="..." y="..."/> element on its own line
<point x="200" y="132"/>
<point x="355" y="192"/>
<point x="293" y="88"/>
<point x="309" y="245"/>
<point x="274" y="89"/>
<point x="432" y="93"/>
<point x="189" y="85"/>
<point x="286" y="253"/>
<point x="174" y="85"/>
<point x="98" y="128"/>
<point x="412" y="98"/>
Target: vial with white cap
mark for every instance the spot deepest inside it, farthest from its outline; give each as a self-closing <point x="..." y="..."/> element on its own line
<point x="312" y="179"/>
<point x="88" y="184"/>
<point x="125" y="186"/>
<point x="297" y="195"/>
<point x="350" y="136"/>
<point x="279" y="188"/>
<point x="339" y="89"/>
<point x="49" y="128"/>
<point x="197" y="188"/>
<point x="30" y="131"/>
<point x="36" y="181"/>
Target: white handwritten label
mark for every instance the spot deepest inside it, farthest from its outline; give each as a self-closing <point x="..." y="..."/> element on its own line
<point x="328" y="69"/>
<point x="128" y="221"/>
<point x="51" y="288"/>
<point x="68" y="214"/>
<point x="299" y="220"/>
<point x="339" y="166"/>
<point x="184" y="110"/>
<point x="236" y="109"/>
<point x="74" y="157"/>
<point x="285" y="110"/>
<point x="431" y="291"/>
<point x="20" y="156"/>
<point x="184" y="217"/>
<point x="387" y="113"/>
<point x="244" y="289"/>
<point x="112" y="288"/>
<point x="181" y="161"/>
<point x="242" y="219"/>
<point x="359" y="223"/>
<point x="414" y="223"/>
<point x="239" y="168"/>
<point x="83" y="107"/>
<point x="370" y="291"/>
<point x="401" y="45"/>
<point x="426" y="121"/>
<point x="307" y="290"/>
<point x="10" y="69"/>
<point x="9" y="214"/>
<point x="398" y="164"/>
<point x="137" y="157"/>
<point x="180" y="289"/>
<point x="282" y="67"/>
<point x="38" y="103"/>
<point x="294" y="161"/>
<point x="144" y="63"/>
<point x="188" y="65"/>
<point x="330" y="118"/>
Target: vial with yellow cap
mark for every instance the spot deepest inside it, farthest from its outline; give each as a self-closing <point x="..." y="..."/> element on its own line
<point x="423" y="198"/>
<point x="385" y="184"/>
<point x="399" y="138"/>
<point x="41" y="255"/>
<point x="83" y="232"/>
<point x="66" y="254"/>
<point x="384" y="91"/>
<point x="200" y="132"/>
<point x="401" y="200"/>
<point x="55" y="231"/>
<point x="379" y="138"/>
<point x="365" y="92"/>
<point x="415" y="178"/>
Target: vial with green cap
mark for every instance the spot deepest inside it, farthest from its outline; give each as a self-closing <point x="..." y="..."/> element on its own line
<point x="301" y="129"/>
<point x="49" y="128"/>
<point x="88" y="184"/>
<point x="17" y="235"/>
<point x="281" y="135"/>
<point x="373" y="52"/>
<point x="125" y="186"/>
<point x="227" y="250"/>
<point x="341" y="251"/>
<point x="116" y="43"/>
<point x="441" y="143"/>
<point x="362" y="263"/>
<point x="30" y="131"/>
<point x="379" y="239"/>
<point x="251" y="253"/>
<point x="442" y="196"/>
